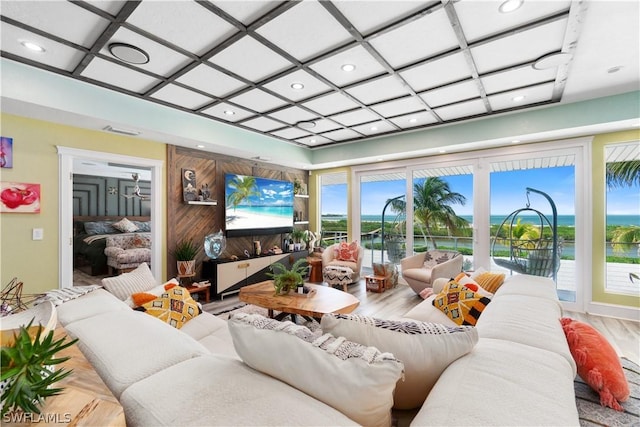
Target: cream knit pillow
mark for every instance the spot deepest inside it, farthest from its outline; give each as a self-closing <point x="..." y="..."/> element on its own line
<point x="138" y="280"/>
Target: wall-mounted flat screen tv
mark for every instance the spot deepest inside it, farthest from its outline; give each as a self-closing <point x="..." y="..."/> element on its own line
<point x="257" y="206"/>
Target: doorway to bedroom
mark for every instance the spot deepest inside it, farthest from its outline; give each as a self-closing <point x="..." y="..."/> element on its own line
<point x="98" y="190"/>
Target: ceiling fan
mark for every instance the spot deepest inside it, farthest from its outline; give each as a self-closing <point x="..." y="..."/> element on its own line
<point x="136" y="190"/>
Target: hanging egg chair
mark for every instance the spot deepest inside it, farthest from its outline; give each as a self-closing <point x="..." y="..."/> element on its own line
<point x="533" y="248"/>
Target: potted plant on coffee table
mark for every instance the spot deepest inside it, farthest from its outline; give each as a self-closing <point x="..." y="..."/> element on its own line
<point x="185" y="253"/>
<point x="285" y="279"/>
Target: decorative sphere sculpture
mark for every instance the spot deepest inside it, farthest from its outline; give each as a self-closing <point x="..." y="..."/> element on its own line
<point x="214" y="244"/>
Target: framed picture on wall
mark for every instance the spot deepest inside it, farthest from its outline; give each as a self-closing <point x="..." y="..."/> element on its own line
<point x="18" y="197"/>
<point x="6" y="152"/>
<point x="189" y="189"/>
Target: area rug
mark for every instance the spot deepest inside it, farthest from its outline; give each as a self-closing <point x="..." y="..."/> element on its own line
<point x="590" y="411"/>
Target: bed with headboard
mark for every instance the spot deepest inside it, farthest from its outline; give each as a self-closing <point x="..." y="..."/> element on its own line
<point x="90" y="238"/>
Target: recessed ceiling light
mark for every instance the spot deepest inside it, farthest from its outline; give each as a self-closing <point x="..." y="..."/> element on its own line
<point x="229" y="112"/>
<point x="32" y="46"/>
<point x="442" y="151"/>
<point x="551" y="60"/>
<point x="518" y="98"/>
<point x="348" y="67"/>
<point x="200" y="146"/>
<point x="313" y="141"/>
<point x="510" y="5"/>
<point x="374" y="128"/>
<point x="413" y="120"/>
<point x="307" y="124"/>
<point x="128" y="53"/>
<point x="380" y="159"/>
<point x="515" y="141"/>
<point x="297" y="86"/>
<point x="615" y="69"/>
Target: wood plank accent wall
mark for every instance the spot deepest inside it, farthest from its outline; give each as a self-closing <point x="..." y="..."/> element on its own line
<point x="194" y="222"/>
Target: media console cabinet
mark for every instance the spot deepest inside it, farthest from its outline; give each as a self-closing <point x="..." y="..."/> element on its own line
<point x="228" y="276"/>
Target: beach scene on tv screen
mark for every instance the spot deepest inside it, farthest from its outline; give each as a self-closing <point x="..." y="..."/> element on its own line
<point x="254" y="202"/>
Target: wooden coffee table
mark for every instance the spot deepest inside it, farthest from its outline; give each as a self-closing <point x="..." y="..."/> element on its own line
<point x="325" y="300"/>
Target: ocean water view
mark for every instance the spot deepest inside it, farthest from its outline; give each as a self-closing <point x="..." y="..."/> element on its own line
<point x="279" y="211"/>
<point x="564" y="220"/>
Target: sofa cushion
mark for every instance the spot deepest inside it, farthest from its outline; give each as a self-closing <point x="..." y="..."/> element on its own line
<point x="126" y="346"/>
<point x="217" y="390"/>
<point x="138" y="280"/>
<point x="425" y="349"/>
<point x="357" y="380"/>
<point x="175" y="307"/>
<point x="502" y="383"/>
<point x="460" y="303"/>
<point x="526" y="320"/>
<point x="347" y="251"/>
<point x="598" y="363"/>
<point x="426" y="312"/>
<point x="89" y="305"/>
<point x="525" y="284"/>
<point x="125" y="226"/>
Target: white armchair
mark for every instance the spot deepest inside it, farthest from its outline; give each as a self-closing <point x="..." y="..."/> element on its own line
<point x="421" y="270"/>
<point x="329" y="259"/>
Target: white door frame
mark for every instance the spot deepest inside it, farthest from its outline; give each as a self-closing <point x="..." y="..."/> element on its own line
<point x="66" y="156"/>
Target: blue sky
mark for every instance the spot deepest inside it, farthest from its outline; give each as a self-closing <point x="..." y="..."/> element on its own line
<point x="507" y="193"/>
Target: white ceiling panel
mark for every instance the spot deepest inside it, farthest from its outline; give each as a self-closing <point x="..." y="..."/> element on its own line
<point x="258" y="100"/>
<point x="263" y="124"/>
<point x="463" y="109"/>
<point x="116" y="75"/>
<point x="313" y="140"/>
<point x="355" y="117"/>
<point x="290" y="133"/>
<point x="228" y="112"/>
<point x="246" y="11"/>
<point x="532" y="95"/>
<point x="55" y="54"/>
<point x="330" y="104"/>
<point x="293" y="115"/>
<point x="435" y="73"/>
<point x="415" y="40"/>
<point x="162" y="60"/>
<point x="296" y="30"/>
<point x="413" y="120"/>
<point x="482" y="18"/>
<point x="110" y="6"/>
<point x="183" y="23"/>
<point x="250" y="59"/>
<point x="341" y="135"/>
<point x="399" y="106"/>
<point x="519" y="77"/>
<point x="452" y="93"/>
<point x="518" y="48"/>
<point x="207" y="79"/>
<point x="374" y="128"/>
<point x="60" y="18"/>
<point x="379" y="90"/>
<point x="181" y="96"/>
<point x="283" y="86"/>
<point x="365" y="66"/>
<point x="378" y="13"/>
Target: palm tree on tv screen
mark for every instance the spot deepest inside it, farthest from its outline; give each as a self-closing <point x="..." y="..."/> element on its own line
<point x="243" y="187"/>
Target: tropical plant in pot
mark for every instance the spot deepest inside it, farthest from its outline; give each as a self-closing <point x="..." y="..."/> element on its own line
<point x="185" y="254"/>
<point x="298" y="235"/>
<point x="285" y="279"/>
<point x="27" y="369"/>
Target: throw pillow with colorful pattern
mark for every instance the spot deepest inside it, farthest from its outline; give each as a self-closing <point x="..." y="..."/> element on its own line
<point x="347" y="251"/>
<point x="175" y="307"/>
<point x="460" y="304"/>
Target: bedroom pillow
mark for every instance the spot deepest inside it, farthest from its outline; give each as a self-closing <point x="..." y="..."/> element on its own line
<point x="354" y="379"/>
<point x="99" y="227"/>
<point x="125" y="226"/>
<point x="460" y="303"/>
<point x="175" y="307"/>
<point x="425" y="349"/>
<point x="138" y="280"/>
<point x="597" y="361"/>
<point x="347" y="251"/>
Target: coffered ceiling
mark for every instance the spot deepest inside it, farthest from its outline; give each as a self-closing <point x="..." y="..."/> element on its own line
<point x="316" y="73"/>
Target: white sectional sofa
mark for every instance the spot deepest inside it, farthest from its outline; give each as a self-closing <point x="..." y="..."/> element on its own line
<point x="520" y="371"/>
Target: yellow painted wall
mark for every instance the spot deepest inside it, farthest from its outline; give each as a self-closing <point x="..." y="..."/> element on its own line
<point x="35" y="160"/>
<point x="599" y="218"/>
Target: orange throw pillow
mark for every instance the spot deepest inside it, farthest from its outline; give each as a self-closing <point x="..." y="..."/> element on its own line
<point x="598" y="363"/>
<point x="347" y="251"/>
